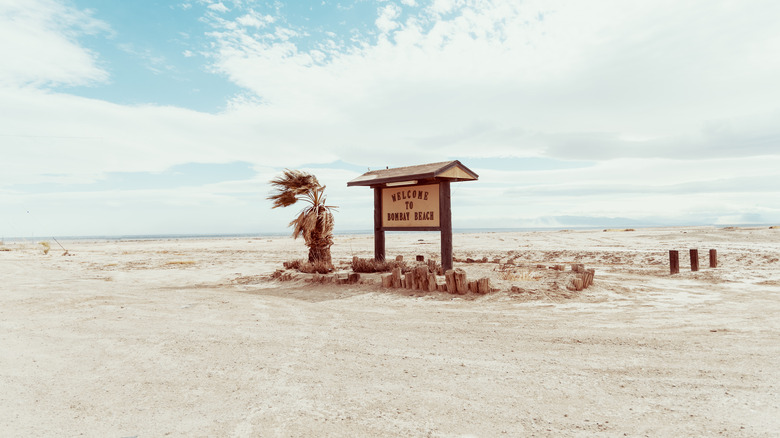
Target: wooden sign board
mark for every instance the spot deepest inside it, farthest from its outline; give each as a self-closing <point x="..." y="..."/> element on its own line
<point x="411" y="206"/>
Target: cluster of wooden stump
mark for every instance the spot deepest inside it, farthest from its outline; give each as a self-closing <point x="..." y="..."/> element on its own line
<point x="423" y="277"/>
<point x="583" y="279"/>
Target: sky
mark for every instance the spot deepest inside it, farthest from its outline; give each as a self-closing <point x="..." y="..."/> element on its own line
<point x="170" y="117"/>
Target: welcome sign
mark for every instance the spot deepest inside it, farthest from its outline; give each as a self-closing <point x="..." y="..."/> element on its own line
<point x="414" y="198"/>
<point x="410" y="206"/>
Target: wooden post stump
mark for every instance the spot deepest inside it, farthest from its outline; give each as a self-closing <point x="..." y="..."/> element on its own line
<point x="409" y="279"/>
<point x="674" y="261"/>
<point x="589" y="274"/>
<point x="432" y="286"/>
<point x="421" y="277"/>
<point x="387" y="280"/>
<point x="449" y="280"/>
<point x="713" y="258"/>
<point x="694" y="260"/>
<point x="461" y="282"/>
<point x="483" y="285"/>
<point x="396" y="277"/>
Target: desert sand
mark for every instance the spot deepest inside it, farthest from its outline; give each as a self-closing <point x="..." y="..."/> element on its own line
<point x="192" y="337"/>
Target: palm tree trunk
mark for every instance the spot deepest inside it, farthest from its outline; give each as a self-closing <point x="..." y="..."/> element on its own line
<point x="319" y="245"/>
<point x="320" y="254"/>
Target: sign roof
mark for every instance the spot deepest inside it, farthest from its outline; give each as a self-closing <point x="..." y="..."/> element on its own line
<point x="446" y="170"/>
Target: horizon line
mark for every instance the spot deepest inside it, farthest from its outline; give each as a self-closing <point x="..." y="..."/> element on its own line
<point x="463" y="230"/>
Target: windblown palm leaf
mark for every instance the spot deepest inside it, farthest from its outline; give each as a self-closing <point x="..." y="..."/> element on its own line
<point x="290" y="186"/>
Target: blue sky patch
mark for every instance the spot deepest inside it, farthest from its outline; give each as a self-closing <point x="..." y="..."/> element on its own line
<point x="153" y="55"/>
<point x="162" y="54"/>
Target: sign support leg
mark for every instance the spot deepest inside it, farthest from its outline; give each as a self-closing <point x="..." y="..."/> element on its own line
<point x="379" y="233"/>
<point x="445" y="217"/>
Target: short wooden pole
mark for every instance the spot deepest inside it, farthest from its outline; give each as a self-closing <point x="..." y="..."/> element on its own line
<point x="433" y="286"/>
<point x="461" y="282"/>
<point x="694" y="260"/>
<point x="587" y="277"/>
<point x="591" y="275"/>
<point x="387" y="280"/>
<point x="396" y="277"/>
<point x="713" y="258"/>
<point x="483" y="285"/>
<point x="449" y="279"/>
<point x="674" y="262"/>
<point x="421" y="277"/>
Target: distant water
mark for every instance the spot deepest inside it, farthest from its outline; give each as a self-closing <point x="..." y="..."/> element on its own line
<point x="133" y="237"/>
<point x="337" y="232"/>
<point x="137" y="237"/>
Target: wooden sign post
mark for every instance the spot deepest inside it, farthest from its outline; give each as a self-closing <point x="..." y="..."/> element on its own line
<point x="414" y="198"/>
<point x="713" y="258"/>
<point x="694" y="260"/>
<point x="674" y="261"/>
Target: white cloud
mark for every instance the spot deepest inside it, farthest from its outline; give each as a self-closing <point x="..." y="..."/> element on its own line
<point x="445" y="6"/>
<point x="387" y="15"/>
<point x="534" y="80"/>
<point x="284" y="34"/>
<point x="253" y="19"/>
<point x="40" y="46"/>
<point x="218" y="7"/>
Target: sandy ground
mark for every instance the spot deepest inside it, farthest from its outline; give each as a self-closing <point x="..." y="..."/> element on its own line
<point x="191" y="338"/>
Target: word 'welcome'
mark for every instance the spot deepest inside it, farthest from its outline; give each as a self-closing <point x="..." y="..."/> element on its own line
<point x="410" y="194"/>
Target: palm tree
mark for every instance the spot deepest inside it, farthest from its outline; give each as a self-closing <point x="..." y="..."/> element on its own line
<point x="315" y="221"/>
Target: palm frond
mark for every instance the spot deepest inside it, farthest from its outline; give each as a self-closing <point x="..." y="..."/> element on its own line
<point x="297" y="225"/>
<point x="291" y="186"/>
